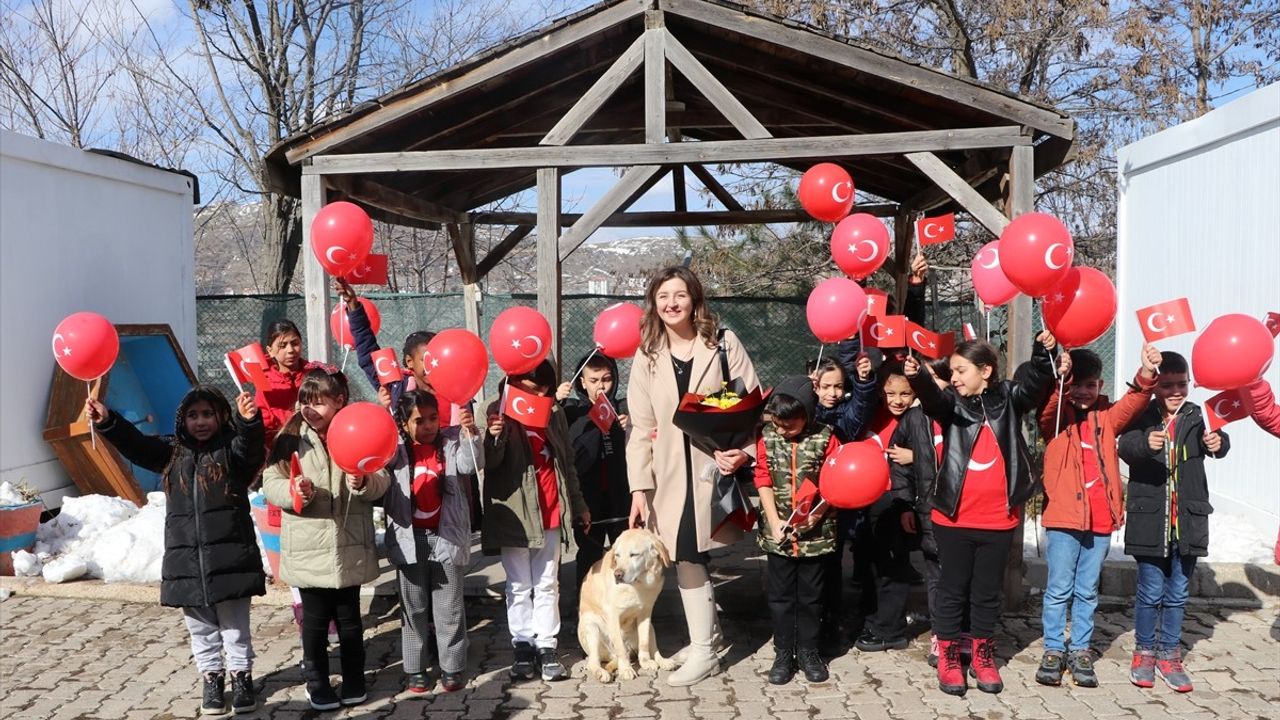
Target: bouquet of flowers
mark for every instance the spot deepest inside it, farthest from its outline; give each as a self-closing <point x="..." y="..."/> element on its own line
<point x="723" y="420"/>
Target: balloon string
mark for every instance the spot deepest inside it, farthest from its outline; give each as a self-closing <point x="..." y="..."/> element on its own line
<point x="821" y="347"/>
<point x="93" y="435"/>
<point x="987" y="315"/>
<point x="583" y="366"/>
<point x="345" y="350"/>
<point x="1057" y="423"/>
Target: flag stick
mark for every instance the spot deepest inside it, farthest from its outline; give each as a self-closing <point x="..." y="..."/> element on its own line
<point x="583" y="366"/>
<point x="345" y="350"/>
<point x="232" y="372"/>
<point x="1057" y="423"/>
<point x="987" y="315"/>
<point x="93" y="435"/>
<point x="821" y="347"/>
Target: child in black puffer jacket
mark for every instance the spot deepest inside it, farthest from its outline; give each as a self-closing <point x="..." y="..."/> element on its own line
<point x="211" y="561"/>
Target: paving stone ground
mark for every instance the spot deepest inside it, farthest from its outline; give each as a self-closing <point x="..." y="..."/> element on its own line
<point x="81" y="658"/>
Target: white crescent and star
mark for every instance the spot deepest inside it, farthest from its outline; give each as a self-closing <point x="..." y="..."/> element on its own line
<point x="835" y="192"/>
<point x="515" y="406"/>
<point x="360" y="272"/>
<point x="875" y="334"/>
<point x="537" y="342"/>
<point x="932" y="230"/>
<point x="66" y="351"/>
<point x="875" y="250"/>
<point x="916" y="337"/>
<point x="976" y="466"/>
<point x="995" y="259"/>
<point x="377" y="366"/>
<point x="1217" y="407"/>
<point x="1048" y="257"/>
<point x="364" y="461"/>
<point x="1151" y="323"/>
<point x="329" y="255"/>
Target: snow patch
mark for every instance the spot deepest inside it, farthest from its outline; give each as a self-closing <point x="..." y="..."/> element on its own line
<point x="1233" y="538"/>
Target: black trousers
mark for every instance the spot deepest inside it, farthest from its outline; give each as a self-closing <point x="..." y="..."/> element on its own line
<point x="853" y="532"/>
<point x="973" y="564"/>
<point x="795" y="600"/>
<point x="342" y="606"/>
<point x="891" y="555"/>
<point x="591" y="545"/>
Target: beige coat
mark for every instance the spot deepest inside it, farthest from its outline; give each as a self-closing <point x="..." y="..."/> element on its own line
<point x="330" y="544"/>
<point x="655" y="462"/>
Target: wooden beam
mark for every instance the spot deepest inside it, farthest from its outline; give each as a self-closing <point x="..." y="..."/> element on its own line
<point x="668" y="218"/>
<point x="724" y="151"/>
<point x="597" y="94"/>
<point x="504" y="247"/>
<point x="549" y="253"/>
<point x="412" y="101"/>
<point x="860" y="59"/>
<point x="679" y="192"/>
<point x="616" y="198"/>
<point x="463" y="239"/>
<point x="315" y="282"/>
<point x="373" y="193"/>
<point x="713" y="90"/>
<point x="713" y="186"/>
<point x="655" y="79"/>
<point x="902" y="227"/>
<point x="956" y="186"/>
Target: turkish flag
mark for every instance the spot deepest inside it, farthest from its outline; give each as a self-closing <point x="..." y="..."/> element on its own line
<point x="889" y="331"/>
<point x="934" y="230"/>
<point x="804" y="503"/>
<point x="602" y="413"/>
<point x="1166" y="319"/>
<point x="1272" y="322"/>
<point x="295" y="472"/>
<point x="929" y="343"/>
<point x="969" y="334"/>
<point x="373" y="271"/>
<point x="1226" y="407"/>
<point x="385" y="365"/>
<point x="877" y="301"/>
<point x="526" y="408"/>
<point x="248" y="365"/>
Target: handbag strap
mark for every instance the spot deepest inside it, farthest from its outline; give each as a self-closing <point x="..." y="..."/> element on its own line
<point x="724" y="356"/>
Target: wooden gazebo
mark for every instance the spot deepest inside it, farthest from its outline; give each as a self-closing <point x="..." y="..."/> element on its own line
<point x="664" y="86"/>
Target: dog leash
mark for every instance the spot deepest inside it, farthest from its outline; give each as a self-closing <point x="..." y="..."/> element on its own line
<point x="594" y="524"/>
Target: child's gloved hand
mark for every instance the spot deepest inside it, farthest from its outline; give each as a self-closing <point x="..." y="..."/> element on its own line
<point x="95" y="410"/>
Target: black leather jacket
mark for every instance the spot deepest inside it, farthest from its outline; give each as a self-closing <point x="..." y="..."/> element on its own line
<point x="1003" y="404"/>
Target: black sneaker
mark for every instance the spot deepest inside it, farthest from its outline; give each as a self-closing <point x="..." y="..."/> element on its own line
<point x="525" y="666"/>
<point x="815" y="671"/>
<point x="417" y="682"/>
<point x="243" y="698"/>
<point x="214" y="688"/>
<point x="784" y="667"/>
<point x="321" y="695"/>
<point x="353" y="690"/>
<point x="552" y="669"/>
<point x="870" y="642"/>
<point x="452" y="682"/>
<point x="1080" y="664"/>
<point x="1051" y="666"/>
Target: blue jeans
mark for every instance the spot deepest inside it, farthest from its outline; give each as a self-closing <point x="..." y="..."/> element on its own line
<point x="1162" y="599"/>
<point x="1075" y="560"/>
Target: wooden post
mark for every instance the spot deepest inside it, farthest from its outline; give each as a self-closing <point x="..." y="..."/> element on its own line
<point x="901" y="255"/>
<point x="655" y="78"/>
<point x="549" y="253"/>
<point x="1021" y="199"/>
<point x="315" y="282"/>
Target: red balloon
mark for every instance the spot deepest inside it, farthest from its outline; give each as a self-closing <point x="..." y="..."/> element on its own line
<point x="362" y="438"/>
<point x="989" y="281"/>
<point x="855" y="476"/>
<point x="456" y="365"/>
<point x="617" y="330"/>
<point x="519" y="339"/>
<point x="1232" y="352"/>
<point x="1079" y="309"/>
<point x="826" y="192"/>
<point x="860" y="245"/>
<point x="1035" y="252"/>
<point x="341" y="237"/>
<point x="340" y="326"/>
<point x="85" y="345"/>
<point x="836" y="309"/>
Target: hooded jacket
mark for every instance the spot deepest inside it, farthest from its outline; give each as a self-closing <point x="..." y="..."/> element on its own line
<point x="1003" y="404"/>
<point x="600" y="459"/>
<point x="454" y="531"/>
<point x="210" y="550"/>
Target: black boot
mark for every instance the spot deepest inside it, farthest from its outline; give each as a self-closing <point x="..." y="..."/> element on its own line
<point x="353" y="691"/>
<point x="784" y="666"/>
<point x="214" y="688"/>
<point x="815" y="671"/>
<point x="321" y="695"/>
<point x="243" y="697"/>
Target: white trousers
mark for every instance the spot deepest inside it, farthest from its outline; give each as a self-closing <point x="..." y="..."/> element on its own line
<point x="533" y="591"/>
<point x="223" y="628"/>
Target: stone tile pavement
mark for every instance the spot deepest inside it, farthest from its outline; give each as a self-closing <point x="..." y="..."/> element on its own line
<point x="93" y="658"/>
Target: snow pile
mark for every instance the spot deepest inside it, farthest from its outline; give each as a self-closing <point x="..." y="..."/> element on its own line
<point x="1233" y="538"/>
<point x="81" y="519"/>
<point x="103" y="537"/>
<point x="67" y="567"/>
<point x="25" y="564"/>
<point x="132" y="551"/>
<point x="9" y="495"/>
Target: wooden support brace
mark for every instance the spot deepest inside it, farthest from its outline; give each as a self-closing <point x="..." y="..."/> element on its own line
<point x="549" y="253"/>
<point x="314" y="279"/>
<point x="956" y="186"/>
<point x="709" y="181"/>
<point x="463" y="239"/>
<point x="712" y="89"/>
<point x="668" y="218"/>
<point x="622" y="193"/>
<point x="504" y="247"/>
<point x="655" y="81"/>
<point x="597" y="94"/>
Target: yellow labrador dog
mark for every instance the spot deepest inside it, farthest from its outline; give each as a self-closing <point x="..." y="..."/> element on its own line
<point x="615" y="609"/>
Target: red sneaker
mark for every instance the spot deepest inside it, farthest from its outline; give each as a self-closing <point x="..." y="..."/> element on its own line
<point x="950" y="673"/>
<point x="1142" y="671"/>
<point x="984" y="665"/>
<point x="1169" y="667"/>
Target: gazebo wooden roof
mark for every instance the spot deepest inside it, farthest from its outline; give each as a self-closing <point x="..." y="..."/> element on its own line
<point x="663" y="86"/>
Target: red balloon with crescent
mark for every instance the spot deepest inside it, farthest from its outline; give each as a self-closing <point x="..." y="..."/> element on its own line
<point x="1234" y="351"/>
<point x="826" y="192"/>
<point x="455" y="364"/>
<point x="340" y="326"/>
<point x="341" y="237"/>
<point x="855" y="476"/>
<point x="989" y="280"/>
<point x="836" y="309"/>
<point x="860" y="245"/>
<point x="85" y="345"/>
<point x="1079" y="309"/>
<point x="519" y="339"/>
<point x="617" y="330"/>
<point x="1035" y="252"/>
<point x="362" y="438"/>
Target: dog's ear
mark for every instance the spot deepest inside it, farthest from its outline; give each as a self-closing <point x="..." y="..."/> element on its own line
<point x="663" y="555"/>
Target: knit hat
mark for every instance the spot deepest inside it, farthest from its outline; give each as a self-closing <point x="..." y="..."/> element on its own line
<point x="799" y="387"/>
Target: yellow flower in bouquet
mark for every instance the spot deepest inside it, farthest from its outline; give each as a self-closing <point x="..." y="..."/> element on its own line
<point x="724" y="399"/>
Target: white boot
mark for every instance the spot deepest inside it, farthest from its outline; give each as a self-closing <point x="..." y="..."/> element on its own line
<point x="718" y="645"/>
<point x="701" y="661"/>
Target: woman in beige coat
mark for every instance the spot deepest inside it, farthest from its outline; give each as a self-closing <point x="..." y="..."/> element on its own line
<point x="671" y="480"/>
